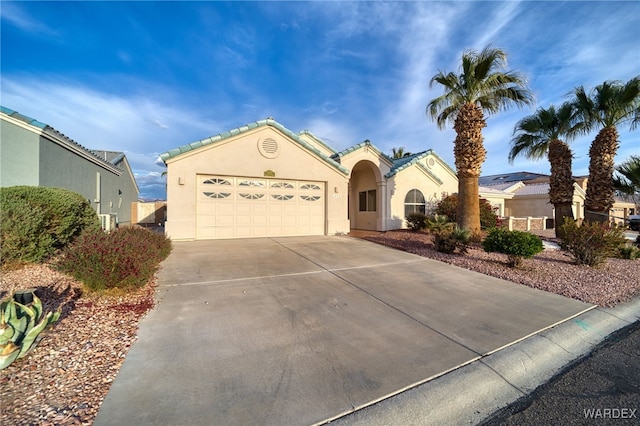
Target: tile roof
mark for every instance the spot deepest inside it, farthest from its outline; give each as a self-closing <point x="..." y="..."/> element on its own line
<point x="492" y="190"/>
<point x="533" y="189"/>
<point x="400" y="164"/>
<point x="113" y="157"/>
<point x="317" y="139"/>
<point x="243" y="129"/>
<point x="356" y="147"/>
<point x="23" y="118"/>
<point x="48" y="130"/>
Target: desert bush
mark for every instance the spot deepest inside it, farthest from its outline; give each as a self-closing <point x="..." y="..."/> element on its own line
<point x="449" y="206"/>
<point x="629" y="252"/>
<point x="416" y="221"/>
<point x="517" y="245"/>
<point x="37" y="221"/>
<point x="452" y="240"/>
<point x="439" y="223"/>
<point x="590" y="243"/>
<point x="126" y="258"/>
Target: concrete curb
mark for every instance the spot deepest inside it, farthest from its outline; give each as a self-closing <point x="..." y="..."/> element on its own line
<point x="472" y="393"/>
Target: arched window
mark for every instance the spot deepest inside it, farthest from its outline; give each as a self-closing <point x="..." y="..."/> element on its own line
<point x="414" y="202"/>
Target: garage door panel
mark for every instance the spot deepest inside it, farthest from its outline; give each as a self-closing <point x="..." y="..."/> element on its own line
<point x="237" y="207"/>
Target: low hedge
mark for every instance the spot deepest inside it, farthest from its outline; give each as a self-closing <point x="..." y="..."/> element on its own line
<point x="124" y="259"/>
<point x="37" y="221"/>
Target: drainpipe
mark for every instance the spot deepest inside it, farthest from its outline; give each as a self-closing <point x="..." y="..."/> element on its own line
<point x="97" y="199"/>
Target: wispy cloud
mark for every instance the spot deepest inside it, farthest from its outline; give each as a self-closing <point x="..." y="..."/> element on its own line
<point x="100" y="120"/>
<point x="14" y="14"/>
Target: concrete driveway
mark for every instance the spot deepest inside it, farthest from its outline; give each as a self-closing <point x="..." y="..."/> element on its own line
<point x="298" y="331"/>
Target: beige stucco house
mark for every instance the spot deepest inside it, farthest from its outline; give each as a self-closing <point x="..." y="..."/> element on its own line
<point x="527" y="195"/>
<point x="263" y="180"/>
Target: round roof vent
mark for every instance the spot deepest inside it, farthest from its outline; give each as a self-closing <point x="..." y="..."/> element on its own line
<point x="269" y="147"/>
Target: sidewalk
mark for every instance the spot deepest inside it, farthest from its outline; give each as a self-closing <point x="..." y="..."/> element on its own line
<point x="474" y="392"/>
<point x="602" y="387"/>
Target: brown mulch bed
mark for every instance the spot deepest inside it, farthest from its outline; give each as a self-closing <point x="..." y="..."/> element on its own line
<point x="65" y="378"/>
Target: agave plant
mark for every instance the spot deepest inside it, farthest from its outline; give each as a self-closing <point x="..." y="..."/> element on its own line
<point x="21" y="326"/>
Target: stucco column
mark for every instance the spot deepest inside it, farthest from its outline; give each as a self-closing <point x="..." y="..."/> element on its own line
<point x="381" y="205"/>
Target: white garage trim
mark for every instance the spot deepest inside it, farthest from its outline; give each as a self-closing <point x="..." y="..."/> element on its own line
<point x="237" y="207"/>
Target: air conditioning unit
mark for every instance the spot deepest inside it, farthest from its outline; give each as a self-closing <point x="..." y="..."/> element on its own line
<point x="108" y="222"/>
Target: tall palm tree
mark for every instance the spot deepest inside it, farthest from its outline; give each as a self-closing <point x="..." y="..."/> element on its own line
<point x="397" y="153"/>
<point x="538" y="135"/>
<point x="480" y="87"/>
<point x="606" y="107"/>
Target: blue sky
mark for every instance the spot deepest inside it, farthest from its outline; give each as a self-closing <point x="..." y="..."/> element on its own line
<point x="146" y="77"/>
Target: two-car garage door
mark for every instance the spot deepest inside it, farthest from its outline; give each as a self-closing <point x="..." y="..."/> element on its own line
<point x="236" y="207"/>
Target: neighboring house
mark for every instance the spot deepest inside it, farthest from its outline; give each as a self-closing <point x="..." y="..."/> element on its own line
<point x="264" y="180"/>
<point x="530" y="196"/>
<point x="35" y="154"/>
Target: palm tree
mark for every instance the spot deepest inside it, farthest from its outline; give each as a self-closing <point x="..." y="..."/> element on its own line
<point x="538" y="135"/>
<point x="607" y="106"/>
<point x="628" y="179"/>
<point x="479" y="88"/>
<point x="397" y="153"/>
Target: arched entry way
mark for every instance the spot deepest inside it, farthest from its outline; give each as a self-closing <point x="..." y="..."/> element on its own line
<point x="367" y="197"/>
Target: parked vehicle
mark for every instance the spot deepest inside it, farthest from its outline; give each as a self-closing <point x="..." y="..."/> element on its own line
<point x="634" y="222"/>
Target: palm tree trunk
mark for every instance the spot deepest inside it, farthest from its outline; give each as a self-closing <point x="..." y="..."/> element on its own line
<point x="469" y="155"/>
<point x="601" y="167"/>
<point x="563" y="210"/>
<point x="561" y="182"/>
<point x="468" y="210"/>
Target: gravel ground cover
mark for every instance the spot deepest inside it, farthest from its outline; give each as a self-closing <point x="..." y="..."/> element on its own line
<point x="552" y="270"/>
<point x="65" y="379"/>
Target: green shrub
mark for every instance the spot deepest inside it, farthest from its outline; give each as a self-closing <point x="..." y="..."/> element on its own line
<point x="629" y="252"/>
<point x="36" y="221"/>
<point x="590" y="243"/>
<point x="517" y="245"/>
<point x="126" y="258"/>
<point x="449" y="207"/>
<point x="448" y="241"/>
<point x="440" y="223"/>
<point x="416" y="221"/>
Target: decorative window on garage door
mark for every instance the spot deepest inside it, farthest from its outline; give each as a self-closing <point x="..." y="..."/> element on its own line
<point x="286" y="185"/>
<point x="251" y="196"/>
<point x="311" y="186"/>
<point x="217" y="194"/>
<point x="253" y="183"/>
<point x="282" y="197"/>
<point x="216" y="181"/>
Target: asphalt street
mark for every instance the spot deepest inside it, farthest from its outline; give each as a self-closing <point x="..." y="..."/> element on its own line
<point x="601" y="388"/>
